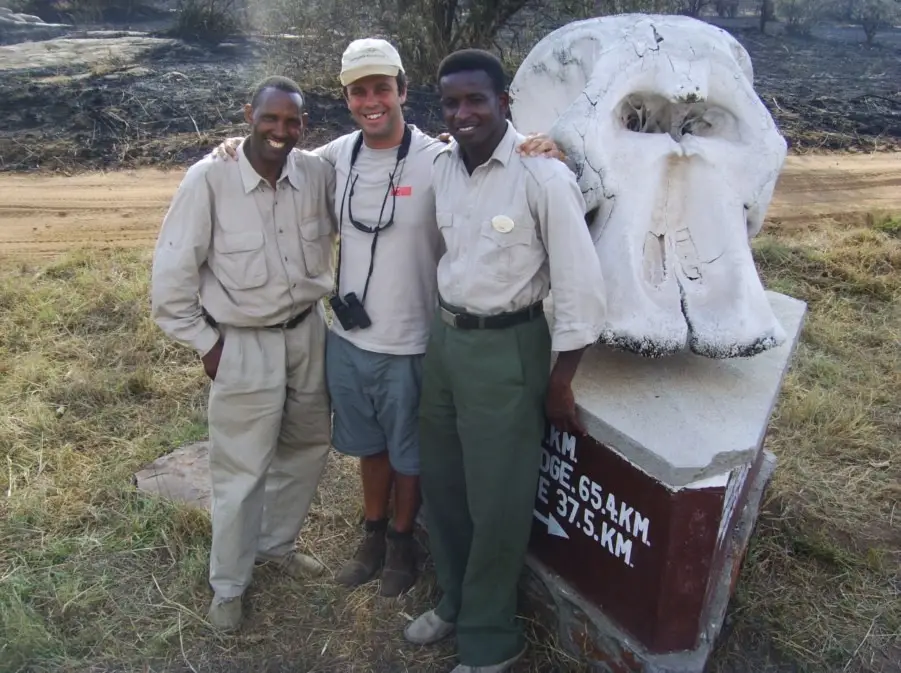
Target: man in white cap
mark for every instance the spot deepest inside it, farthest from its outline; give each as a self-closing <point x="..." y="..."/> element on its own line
<point x="388" y="256"/>
<point x="384" y="300"/>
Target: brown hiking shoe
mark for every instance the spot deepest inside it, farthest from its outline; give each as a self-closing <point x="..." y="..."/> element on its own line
<point x="366" y="561"/>
<point x="399" y="573"/>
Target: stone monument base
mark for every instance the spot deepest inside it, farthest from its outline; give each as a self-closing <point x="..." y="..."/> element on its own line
<point x="585" y="632"/>
<point x="640" y="527"/>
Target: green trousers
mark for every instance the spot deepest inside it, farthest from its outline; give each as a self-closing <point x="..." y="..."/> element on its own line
<point x="481" y="424"/>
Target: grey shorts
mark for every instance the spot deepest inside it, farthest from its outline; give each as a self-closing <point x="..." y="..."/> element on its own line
<point x="375" y="401"/>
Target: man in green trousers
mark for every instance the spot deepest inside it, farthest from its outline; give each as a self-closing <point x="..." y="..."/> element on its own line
<point x="513" y="226"/>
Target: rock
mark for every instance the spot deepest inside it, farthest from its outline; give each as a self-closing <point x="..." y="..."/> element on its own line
<point x="103" y="53"/>
<point x="183" y="475"/>
<point x="27" y="27"/>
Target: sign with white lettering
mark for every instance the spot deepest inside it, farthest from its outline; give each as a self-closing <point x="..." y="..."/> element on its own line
<point x="626" y="542"/>
<point x="597" y="512"/>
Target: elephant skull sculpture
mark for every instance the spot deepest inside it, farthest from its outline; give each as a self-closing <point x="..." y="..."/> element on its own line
<point x="677" y="159"/>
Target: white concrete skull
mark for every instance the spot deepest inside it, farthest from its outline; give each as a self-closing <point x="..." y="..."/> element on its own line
<point x="677" y="159"/>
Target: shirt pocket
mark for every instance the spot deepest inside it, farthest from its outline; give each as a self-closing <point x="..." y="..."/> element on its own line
<point x="507" y="254"/>
<point x="239" y="260"/>
<point x="316" y="239"/>
<point x="445" y="221"/>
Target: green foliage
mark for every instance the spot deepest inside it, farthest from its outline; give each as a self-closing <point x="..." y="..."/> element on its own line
<point x="887" y="224"/>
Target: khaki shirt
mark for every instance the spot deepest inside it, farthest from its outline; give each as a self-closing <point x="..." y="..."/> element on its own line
<point x="491" y="267"/>
<point x="249" y="254"/>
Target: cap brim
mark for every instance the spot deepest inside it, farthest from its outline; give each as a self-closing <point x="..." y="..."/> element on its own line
<point x="354" y="74"/>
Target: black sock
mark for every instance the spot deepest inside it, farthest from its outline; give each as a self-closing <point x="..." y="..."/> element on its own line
<point x="377" y="526"/>
<point x="396" y="534"/>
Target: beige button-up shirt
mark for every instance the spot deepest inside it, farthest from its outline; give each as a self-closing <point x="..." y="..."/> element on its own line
<point x="249" y="254"/>
<point x="514" y="229"/>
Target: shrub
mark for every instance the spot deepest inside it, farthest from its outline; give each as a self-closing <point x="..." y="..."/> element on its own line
<point x="802" y="15"/>
<point x="205" y="21"/>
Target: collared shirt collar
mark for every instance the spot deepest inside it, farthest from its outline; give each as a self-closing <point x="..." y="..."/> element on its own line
<point x="501" y="154"/>
<point x="250" y="178"/>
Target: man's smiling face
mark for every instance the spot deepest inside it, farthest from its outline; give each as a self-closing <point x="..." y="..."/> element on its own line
<point x="473" y="111"/>
<point x="276" y="121"/>
<point x="375" y="104"/>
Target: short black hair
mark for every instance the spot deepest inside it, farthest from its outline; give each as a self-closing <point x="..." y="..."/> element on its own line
<point x="475" y="59"/>
<point x="275" y="82"/>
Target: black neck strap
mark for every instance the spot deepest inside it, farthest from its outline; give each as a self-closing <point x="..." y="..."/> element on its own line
<point x="402" y="151"/>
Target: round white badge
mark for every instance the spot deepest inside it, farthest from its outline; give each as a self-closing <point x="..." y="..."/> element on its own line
<point x="502" y="224"/>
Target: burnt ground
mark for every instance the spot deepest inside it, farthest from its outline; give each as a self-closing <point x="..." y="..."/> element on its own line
<point x="176" y="101"/>
<point x="168" y="107"/>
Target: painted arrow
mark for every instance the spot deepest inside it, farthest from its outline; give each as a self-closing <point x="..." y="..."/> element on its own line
<point x="553" y="528"/>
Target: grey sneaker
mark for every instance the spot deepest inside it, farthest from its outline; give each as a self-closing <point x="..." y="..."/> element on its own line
<point x="226" y="614"/>
<point x="366" y="562"/>
<point x="428" y="628"/>
<point x="493" y="668"/>
<point x="295" y="564"/>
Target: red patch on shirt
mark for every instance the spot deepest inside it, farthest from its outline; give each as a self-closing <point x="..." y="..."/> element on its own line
<point x="403" y="191"/>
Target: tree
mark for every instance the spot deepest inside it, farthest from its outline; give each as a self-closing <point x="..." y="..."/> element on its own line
<point x="727" y="8"/>
<point x="692" y="7"/>
<point x="875" y="15"/>
<point x="767" y="13"/>
<point x="428" y="30"/>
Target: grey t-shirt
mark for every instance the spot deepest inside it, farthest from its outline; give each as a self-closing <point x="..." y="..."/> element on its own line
<point x="403" y="289"/>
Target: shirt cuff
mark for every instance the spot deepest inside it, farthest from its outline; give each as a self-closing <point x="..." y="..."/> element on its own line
<point x="205" y="341"/>
<point x="574" y="336"/>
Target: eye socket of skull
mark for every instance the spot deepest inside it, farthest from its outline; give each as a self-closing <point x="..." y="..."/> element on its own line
<point x="652" y="113"/>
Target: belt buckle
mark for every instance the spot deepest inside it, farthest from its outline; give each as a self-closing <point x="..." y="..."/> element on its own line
<point x="448" y="317"/>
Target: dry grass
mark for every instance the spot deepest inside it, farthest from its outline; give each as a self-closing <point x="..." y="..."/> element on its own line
<point x="96" y="577"/>
<point x="822" y="585"/>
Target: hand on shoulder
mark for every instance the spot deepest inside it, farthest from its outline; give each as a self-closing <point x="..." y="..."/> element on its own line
<point x="227" y="149"/>
<point x="540" y="145"/>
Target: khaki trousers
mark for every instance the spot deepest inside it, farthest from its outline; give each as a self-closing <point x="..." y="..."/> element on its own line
<point x="269" y="421"/>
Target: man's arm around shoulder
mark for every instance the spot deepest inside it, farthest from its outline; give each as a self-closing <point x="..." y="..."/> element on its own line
<point x="181" y="250"/>
<point x="322" y="170"/>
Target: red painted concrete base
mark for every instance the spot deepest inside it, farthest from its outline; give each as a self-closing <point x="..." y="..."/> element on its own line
<point x="639" y="573"/>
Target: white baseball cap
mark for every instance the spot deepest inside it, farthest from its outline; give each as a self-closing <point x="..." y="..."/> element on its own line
<point x="369" y="56"/>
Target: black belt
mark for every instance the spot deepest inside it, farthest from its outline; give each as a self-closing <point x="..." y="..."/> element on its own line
<point x="290" y="323"/>
<point x="463" y="320"/>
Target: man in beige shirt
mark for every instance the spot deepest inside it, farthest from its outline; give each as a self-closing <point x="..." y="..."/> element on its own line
<point x="242" y="260"/>
<point x="514" y="226"/>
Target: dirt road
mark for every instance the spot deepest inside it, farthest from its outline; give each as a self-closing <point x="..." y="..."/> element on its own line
<point x="41" y="216"/>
